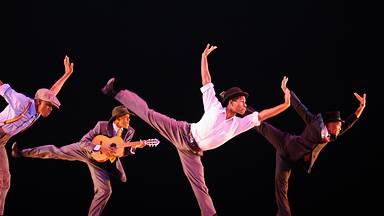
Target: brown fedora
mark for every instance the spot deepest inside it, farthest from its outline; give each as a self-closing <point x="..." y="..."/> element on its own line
<point x="119" y="111"/>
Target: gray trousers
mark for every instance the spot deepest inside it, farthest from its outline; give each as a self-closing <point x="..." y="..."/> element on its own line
<point x="73" y="152"/>
<point x="5" y="175"/>
<point x="177" y="133"/>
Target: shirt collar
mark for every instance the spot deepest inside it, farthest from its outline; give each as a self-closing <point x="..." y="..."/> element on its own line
<point x="115" y="128"/>
<point x="224" y="112"/>
<point x="34" y="111"/>
<point x="324" y="132"/>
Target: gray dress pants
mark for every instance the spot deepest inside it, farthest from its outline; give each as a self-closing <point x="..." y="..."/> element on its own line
<point x="73" y="152"/>
<point x="5" y="175"/>
<point x="177" y="132"/>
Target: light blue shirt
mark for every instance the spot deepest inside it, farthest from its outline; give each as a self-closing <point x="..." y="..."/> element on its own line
<point x="17" y="103"/>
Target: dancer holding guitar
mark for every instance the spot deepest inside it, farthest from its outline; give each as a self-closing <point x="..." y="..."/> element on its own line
<point x="99" y="152"/>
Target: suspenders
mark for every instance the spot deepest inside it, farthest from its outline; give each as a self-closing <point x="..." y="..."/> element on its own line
<point x="19" y="116"/>
<point x="3" y="136"/>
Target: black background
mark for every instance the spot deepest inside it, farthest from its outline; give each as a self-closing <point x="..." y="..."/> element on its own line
<point x="154" y="48"/>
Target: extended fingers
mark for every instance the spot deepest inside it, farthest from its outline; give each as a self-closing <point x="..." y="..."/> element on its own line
<point x="284" y="82"/>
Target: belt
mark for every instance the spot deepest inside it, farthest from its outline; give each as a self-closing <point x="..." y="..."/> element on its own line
<point x="193" y="145"/>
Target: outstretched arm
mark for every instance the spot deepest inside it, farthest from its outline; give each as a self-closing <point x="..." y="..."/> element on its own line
<point x="352" y="119"/>
<point x="301" y="109"/>
<point x="205" y="76"/>
<point x="268" y="113"/>
<point x="68" y="66"/>
<point x="1" y="83"/>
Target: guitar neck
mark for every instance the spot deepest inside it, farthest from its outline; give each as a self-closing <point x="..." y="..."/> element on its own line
<point x="129" y="144"/>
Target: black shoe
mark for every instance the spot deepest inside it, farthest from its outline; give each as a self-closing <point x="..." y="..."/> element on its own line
<point x="16" y="152"/>
<point x="108" y="88"/>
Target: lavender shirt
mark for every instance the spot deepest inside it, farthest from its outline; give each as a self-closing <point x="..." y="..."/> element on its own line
<point x="17" y="102"/>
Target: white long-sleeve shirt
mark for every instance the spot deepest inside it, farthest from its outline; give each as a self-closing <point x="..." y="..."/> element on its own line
<point x="213" y="130"/>
<point x="17" y="103"/>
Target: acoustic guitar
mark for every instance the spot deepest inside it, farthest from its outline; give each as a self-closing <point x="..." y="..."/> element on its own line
<point x="117" y="145"/>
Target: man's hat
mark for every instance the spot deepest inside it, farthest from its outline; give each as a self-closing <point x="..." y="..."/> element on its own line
<point x="119" y="111"/>
<point x="332" y="116"/>
<point x="47" y="95"/>
<point x="232" y="93"/>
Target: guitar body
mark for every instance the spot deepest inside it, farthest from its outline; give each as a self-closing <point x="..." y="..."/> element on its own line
<point x="115" y="143"/>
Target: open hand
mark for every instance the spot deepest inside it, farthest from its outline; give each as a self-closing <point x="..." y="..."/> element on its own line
<point x="284" y="84"/>
<point x="287" y="92"/>
<point x="361" y="99"/>
<point x="68" y="66"/>
<point x="208" y="50"/>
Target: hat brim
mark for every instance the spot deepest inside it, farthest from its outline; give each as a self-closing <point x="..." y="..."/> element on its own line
<point x="238" y="94"/>
<point x="114" y="117"/>
<point x="55" y="105"/>
<point x="334" y="120"/>
<point x="53" y="101"/>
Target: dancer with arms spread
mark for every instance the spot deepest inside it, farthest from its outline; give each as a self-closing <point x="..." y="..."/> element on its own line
<point x="305" y="148"/>
<point x="20" y="113"/>
<point x="218" y="125"/>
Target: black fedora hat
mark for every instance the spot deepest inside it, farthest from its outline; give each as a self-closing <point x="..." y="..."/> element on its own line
<point x="332" y="116"/>
<point x="232" y="93"/>
<point x="119" y="111"/>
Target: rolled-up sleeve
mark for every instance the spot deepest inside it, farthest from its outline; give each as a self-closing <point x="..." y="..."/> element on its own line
<point x="209" y="96"/>
<point x="4" y="88"/>
<point x="253" y="119"/>
<point x="16" y="100"/>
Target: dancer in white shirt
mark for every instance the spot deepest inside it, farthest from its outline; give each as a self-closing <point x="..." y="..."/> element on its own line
<point x="218" y="125"/>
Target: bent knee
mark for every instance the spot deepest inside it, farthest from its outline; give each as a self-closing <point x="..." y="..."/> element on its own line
<point x="103" y="191"/>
